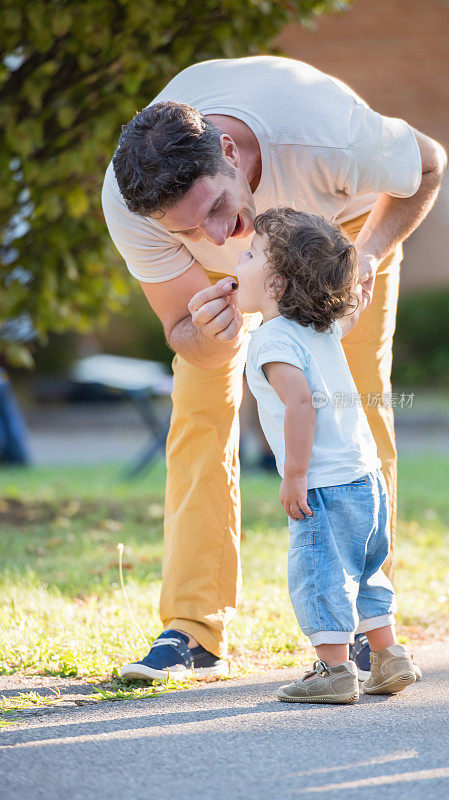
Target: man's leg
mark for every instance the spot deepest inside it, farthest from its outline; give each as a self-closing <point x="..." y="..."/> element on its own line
<point x="201" y="567"/>
<point x="368" y="349"/>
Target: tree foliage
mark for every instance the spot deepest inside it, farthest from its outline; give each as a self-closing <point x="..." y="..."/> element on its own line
<point x="71" y="73"/>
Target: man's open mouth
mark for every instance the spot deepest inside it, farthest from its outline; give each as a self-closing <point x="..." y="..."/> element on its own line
<point x="238" y="226"/>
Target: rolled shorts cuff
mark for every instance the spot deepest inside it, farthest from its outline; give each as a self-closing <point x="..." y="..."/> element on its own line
<point x="373" y="623"/>
<point x="331" y="637"/>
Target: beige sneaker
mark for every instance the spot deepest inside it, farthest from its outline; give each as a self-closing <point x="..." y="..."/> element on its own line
<point x="392" y="671"/>
<point x="330" y="685"/>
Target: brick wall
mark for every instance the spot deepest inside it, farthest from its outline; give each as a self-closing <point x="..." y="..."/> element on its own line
<point x="395" y="54"/>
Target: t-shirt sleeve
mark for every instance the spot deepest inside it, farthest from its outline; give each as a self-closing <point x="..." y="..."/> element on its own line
<point x="280" y="351"/>
<point x="150" y="253"/>
<point x="383" y="155"/>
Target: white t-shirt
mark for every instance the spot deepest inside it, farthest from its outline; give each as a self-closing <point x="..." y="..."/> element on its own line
<point x="323" y="150"/>
<point x="343" y="448"/>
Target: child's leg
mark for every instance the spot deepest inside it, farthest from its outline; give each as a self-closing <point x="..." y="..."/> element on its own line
<point x="332" y="654"/>
<point x="322" y="578"/>
<point x="381" y="638"/>
<point x="327" y="554"/>
<point x="376" y="600"/>
<point x="391" y="664"/>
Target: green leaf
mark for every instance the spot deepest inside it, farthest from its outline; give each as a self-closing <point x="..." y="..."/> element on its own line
<point x="61" y="22"/>
<point x="66" y="116"/>
<point x="77" y="202"/>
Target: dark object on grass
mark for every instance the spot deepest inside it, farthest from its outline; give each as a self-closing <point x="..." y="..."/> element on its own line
<point x="139" y="381"/>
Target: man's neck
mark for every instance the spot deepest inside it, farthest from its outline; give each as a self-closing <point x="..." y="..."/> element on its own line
<point x="247" y="144"/>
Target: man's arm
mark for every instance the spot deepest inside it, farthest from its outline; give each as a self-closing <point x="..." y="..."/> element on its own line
<point x="393" y="219"/>
<point x="197" y="343"/>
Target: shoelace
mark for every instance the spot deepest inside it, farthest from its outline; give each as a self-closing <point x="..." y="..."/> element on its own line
<point x="319" y="668"/>
<point x="174" y="642"/>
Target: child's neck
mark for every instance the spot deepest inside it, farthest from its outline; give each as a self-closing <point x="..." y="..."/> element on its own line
<point x="270" y="315"/>
<point x="270" y="309"/>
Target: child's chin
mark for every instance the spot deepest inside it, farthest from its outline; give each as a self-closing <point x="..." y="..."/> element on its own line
<point x="245" y="309"/>
<point x="243" y="306"/>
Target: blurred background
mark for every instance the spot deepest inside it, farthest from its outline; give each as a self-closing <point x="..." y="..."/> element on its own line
<point x="68" y="82"/>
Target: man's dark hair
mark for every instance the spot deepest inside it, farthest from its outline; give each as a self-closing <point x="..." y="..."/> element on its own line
<point x="162" y="152"/>
<point x="314" y="264"/>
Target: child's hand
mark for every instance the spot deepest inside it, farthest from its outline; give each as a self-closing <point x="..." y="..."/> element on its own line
<point x="350" y="319"/>
<point x="293" y="496"/>
<point x="362" y="297"/>
<point x="368" y="265"/>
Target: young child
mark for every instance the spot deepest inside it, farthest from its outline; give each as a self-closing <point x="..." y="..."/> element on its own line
<point x="301" y="273"/>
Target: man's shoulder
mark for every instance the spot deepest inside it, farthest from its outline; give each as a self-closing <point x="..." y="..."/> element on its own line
<point x="261" y="68"/>
<point x="269" y="86"/>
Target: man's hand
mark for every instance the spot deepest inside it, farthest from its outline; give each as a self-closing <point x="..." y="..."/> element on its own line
<point x="293" y="496"/>
<point x="350" y="319"/>
<point x="368" y="266"/>
<point x="215" y="313"/>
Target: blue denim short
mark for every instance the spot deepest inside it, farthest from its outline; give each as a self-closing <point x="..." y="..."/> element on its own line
<point x="335" y="580"/>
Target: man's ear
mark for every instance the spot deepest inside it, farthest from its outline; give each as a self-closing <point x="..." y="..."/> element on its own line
<point x="230" y="150"/>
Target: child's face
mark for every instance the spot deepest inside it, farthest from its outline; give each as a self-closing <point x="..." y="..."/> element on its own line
<point x="252" y="274"/>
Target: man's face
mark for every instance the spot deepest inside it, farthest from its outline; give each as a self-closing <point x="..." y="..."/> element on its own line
<point x="216" y="208"/>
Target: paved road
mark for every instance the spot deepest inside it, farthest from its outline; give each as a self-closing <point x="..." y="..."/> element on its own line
<point x="95" y="433"/>
<point x="233" y="740"/>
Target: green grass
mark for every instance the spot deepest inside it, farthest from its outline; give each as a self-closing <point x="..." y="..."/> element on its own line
<point x="10" y="707"/>
<point x="62" y="608"/>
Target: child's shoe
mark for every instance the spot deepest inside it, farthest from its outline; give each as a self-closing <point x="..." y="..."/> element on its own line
<point x="330" y="685"/>
<point x="391" y="671"/>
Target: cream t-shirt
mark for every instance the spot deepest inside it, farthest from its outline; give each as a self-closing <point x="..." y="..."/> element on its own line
<point x="324" y="151"/>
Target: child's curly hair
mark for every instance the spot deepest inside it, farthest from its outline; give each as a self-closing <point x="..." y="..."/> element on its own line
<point x="314" y="262"/>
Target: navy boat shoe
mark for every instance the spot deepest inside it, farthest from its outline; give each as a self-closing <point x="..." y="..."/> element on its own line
<point x="170" y="657"/>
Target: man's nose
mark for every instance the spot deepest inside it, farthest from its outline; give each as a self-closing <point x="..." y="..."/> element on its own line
<point x="216" y="232"/>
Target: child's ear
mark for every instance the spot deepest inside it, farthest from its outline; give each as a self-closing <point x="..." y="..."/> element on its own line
<point x="276" y="286"/>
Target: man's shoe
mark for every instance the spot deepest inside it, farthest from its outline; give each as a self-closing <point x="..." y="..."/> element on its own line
<point x="328" y="685"/>
<point x="360" y="652"/>
<point x="170" y="657"/>
<point x="391" y="671"/>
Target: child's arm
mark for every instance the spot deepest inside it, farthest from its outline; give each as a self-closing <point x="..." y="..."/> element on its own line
<point x="291" y="386"/>
<point x="349" y="321"/>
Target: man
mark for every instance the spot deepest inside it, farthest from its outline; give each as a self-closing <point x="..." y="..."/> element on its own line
<point x="225" y="140"/>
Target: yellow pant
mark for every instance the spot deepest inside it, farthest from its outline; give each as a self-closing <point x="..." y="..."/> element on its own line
<point x="201" y="566"/>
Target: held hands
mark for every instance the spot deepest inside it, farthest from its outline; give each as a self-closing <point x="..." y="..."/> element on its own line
<point x="362" y="298"/>
<point x="293" y="496"/>
<point x="215" y="312"/>
<point x="368" y="265"/>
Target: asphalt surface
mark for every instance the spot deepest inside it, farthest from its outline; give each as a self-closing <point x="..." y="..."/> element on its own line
<point x="234" y="740"/>
<point x="97" y="433"/>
